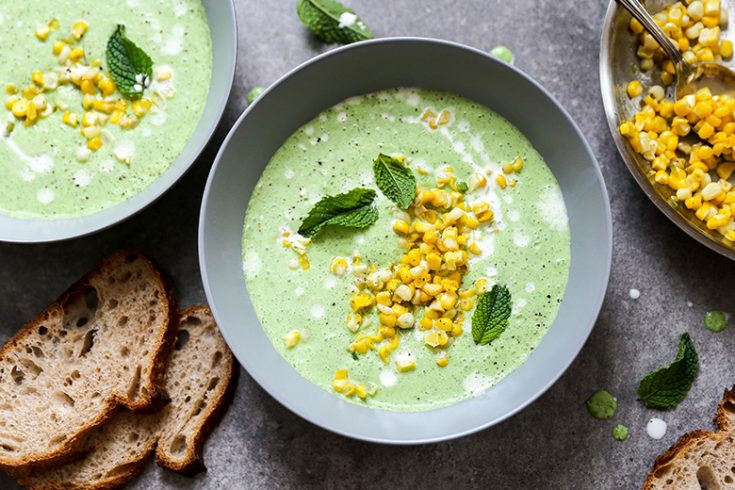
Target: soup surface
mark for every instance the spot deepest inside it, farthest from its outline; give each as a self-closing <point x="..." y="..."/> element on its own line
<point x="53" y="168"/>
<point x="526" y="246"/>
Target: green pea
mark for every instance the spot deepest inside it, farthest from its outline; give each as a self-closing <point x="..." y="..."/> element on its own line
<point x="620" y="432"/>
<point x="503" y="53"/>
<point x="254" y="94"/>
<point x="715" y="321"/>
<point x="602" y="405"/>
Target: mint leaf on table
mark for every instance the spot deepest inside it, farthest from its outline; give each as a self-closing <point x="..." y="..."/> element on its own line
<point x="491" y="315"/>
<point x="665" y="388"/>
<point x="395" y="180"/>
<point x="353" y="209"/>
<point x="130" y="67"/>
<point x="332" y="22"/>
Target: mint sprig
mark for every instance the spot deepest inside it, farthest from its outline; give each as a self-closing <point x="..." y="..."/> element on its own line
<point x="665" y="388"/>
<point x="491" y="315"/>
<point x="130" y="67"/>
<point x="353" y="209"/>
<point x="395" y="180"/>
<point x="332" y="22"/>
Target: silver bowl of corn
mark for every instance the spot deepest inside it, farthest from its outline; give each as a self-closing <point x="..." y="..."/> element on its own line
<point x="681" y="152"/>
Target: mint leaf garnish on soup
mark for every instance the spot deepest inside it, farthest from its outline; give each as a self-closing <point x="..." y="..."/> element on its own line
<point x="332" y="22"/>
<point x="353" y="209"/>
<point x="130" y="67"/>
<point x="665" y="388"/>
<point x="491" y="315"/>
<point x="395" y="180"/>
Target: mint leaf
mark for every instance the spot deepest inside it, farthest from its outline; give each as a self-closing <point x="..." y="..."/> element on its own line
<point x="491" y="315"/>
<point x="665" y="388"/>
<point x="395" y="180"/>
<point x="332" y="22"/>
<point x="353" y="209"/>
<point x="130" y="67"/>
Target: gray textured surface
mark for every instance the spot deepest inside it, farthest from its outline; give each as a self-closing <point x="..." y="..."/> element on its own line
<point x="552" y="444"/>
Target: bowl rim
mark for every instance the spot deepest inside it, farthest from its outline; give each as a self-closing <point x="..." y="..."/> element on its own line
<point x="605" y="252"/>
<point x="82" y="226"/>
<point x="613" y="120"/>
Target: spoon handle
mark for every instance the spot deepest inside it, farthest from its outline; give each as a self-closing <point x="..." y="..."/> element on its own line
<point x="636" y="9"/>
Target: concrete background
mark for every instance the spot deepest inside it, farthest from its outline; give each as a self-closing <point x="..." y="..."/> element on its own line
<point x="552" y="444"/>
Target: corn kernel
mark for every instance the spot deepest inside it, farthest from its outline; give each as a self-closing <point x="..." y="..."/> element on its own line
<point x="400" y="226"/>
<point x="76" y="54"/>
<point x="163" y="74"/>
<point x="141" y="107"/>
<point x="20" y="107"/>
<point x="58" y="47"/>
<point x="42" y="32"/>
<point x="37" y="78"/>
<point x="634" y="89"/>
<point x="70" y="118"/>
<point x="79" y="29"/>
<point x="293" y="338"/>
<point x="107" y="87"/>
<point x="726" y="49"/>
<point x="405" y="363"/>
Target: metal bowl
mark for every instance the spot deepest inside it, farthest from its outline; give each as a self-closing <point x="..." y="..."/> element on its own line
<point x="367" y="67"/>
<point x="618" y="66"/>
<point x="223" y="30"/>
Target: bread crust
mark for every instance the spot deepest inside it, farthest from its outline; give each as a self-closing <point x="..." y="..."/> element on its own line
<point x="194" y="462"/>
<point x="191" y="463"/>
<point x="156" y="394"/>
<point x="722" y="421"/>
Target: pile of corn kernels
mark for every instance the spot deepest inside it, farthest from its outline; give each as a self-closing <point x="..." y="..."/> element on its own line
<point x="689" y="143"/>
<point x="437" y="232"/>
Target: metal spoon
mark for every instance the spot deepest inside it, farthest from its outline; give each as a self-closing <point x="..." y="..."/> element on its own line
<point x="689" y="77"/>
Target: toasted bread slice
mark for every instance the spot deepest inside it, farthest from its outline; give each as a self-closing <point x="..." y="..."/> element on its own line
<point x="103" y="344"/>
<point x="700" y="459"/>
<point x="202" y="375"/>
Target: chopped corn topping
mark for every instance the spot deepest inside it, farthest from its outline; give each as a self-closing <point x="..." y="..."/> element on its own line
<point x="298" y="244"/>
<point x="424" y="289"/>
<point x="434" y="120"/>
<point x="343" y="384"/>
<point x="97" y="88"/>
<point x="697" y="172"/>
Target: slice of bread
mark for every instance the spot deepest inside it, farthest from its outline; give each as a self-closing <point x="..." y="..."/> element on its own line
<point x="103" y="344"/>
<point x="700" y="460"/>
<point x="202" y="375"/>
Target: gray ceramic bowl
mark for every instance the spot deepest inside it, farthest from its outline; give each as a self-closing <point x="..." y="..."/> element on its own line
<point x="366" y="67"/>
<point x="223" y="27"/>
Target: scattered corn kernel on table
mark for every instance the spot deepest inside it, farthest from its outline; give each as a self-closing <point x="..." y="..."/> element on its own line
<point x="552" y="444"/>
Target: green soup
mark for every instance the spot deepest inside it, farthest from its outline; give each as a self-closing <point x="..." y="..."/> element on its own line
<point x="527" y="248"/>
<point x="45" y="170"/>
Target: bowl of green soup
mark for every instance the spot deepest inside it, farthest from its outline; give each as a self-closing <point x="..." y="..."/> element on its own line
<point x="105" y="108"/>
<point x="405" y="240"/>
